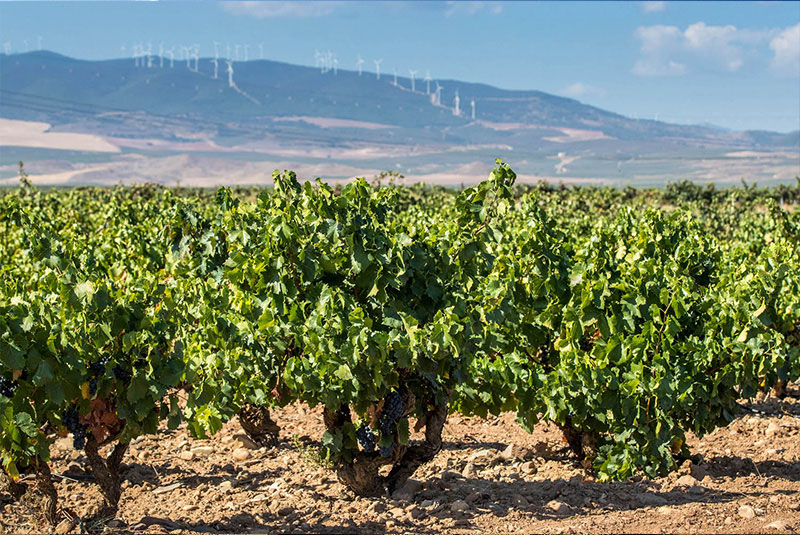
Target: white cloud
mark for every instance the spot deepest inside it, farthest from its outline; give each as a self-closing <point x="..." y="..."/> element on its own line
<point x="668" y="51"/>
<point x="471" y="8"/>
<point x="579" y="89"/>
<point x="266" y="10"/>
<point x="786" y="47"/>
<point x="653" y="6"/>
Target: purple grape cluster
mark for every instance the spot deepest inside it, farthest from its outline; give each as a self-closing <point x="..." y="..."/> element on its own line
<point x="78" y="430"/>
<point x="7" y="387"/>
<point x="387" y="422"/>
<point x="366" y="438"/>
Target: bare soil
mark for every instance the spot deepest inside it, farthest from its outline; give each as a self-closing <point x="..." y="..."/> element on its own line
<point x="744" y="478"/>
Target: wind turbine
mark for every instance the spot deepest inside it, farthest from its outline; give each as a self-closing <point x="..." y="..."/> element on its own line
<point x="472" y="103"/>
<point x="335" y="65"/>
<point x="228" y="50"/>
<point x="395" y="78"/>
<point x="329" y="61"/>
<point x="215" y="61"/>
<point x="149" y="55"/>
<point x="260" y="50"/>
<point x="171" y="53"/>
<point x="427" y="82"/>
<point x="456" y="108"/>
<point x="413" y="74"/>
<point x="7" y="47"/>
<point x="161" y="55"/>
<point x="135" y="48"/>
<point x="317" y="59"/>
<point x="438" y="93"/>
<point x="196" y="56"/>
<point x="359" y="63"/>
<point x="230" y="73"/>
<point x="377" y="68"/>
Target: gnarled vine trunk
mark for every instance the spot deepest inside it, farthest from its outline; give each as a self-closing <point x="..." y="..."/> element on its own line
<point x="582" y="443"/>
<point x="361" y="474"/>
<point x="106" y="474"/>
<point x="258" y="425"/>
<point x="44" y="484"/>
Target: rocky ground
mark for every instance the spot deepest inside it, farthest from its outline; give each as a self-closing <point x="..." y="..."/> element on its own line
<point x="491" y="477"/>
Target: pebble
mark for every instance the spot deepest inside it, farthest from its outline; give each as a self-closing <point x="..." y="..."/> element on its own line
<point x="508" y="453"/>
<point x="416" y="512"/>
<point x="686" y="481"/>
<point x="167" y="488"/>
<point x="773" y="429"/>
<point x="469" y="471"/>
<point x="480" y="454"/>
<point x="558" y="507"/>
<point x="186" y="455"/>
<point x="728" y="521"/>
<point x="190" y="507"/>
<point x="246" y="442"/>
<point x="115" y="523"/>
<point x="529" y="468"/>
<point x="65" y="526"/>
<point x="780" y="525"/>
<point x="397" y="513"/>
<point x="459" y="506"/>
<point x="241" y="454"/>
<point x="225" y="486"/>
<point x="203" y="451"/>
<point x="650" y="499"/>
<point x="745" y="511"/>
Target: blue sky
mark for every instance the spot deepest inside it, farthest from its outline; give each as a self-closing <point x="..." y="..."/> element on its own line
<point x="734" y="64"/>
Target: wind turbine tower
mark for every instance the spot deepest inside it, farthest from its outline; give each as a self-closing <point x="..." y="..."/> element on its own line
<point x="149" y="55"/>
<point x="438" y="94"/>
<point x="230" y="73"/>
<point x="171" y="53"/>
<point x="472" y="103"/>
<point x="161" y="55"/>
<point x="413" y="74"/>
<point x="359" y="63"/>
<point x="215" y="61"/>
<point x="395" y="78"/>
<point x="427" y="82"/>
<point x="378" y="68"/>
<point x="456" y="108"/>
<point x="335" y="65"/>
<point x="228" y="51"/>
<point x="196" y="56"/>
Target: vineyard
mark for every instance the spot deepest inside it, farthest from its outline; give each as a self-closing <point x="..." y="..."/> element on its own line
<point x="630" y="321"/>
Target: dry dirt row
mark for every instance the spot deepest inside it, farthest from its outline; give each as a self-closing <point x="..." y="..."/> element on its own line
<point x="491" y="477"/>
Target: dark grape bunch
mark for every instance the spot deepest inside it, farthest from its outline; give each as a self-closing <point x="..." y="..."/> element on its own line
<point x="7" y="387"/>
<point x="121" y="374"/>
<point x="366" y="438"/>
<point x="78" y="430"/>
<point x="387" y="423"/>
<point x="96" y="369"/>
